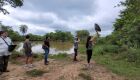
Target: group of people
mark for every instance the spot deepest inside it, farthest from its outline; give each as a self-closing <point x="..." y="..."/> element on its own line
<point x="5" y="54"/>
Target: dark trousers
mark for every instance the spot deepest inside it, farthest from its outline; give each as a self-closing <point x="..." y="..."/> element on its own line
<point x="89" y="55"/>
<point x="75" y="54"/>
<point x="3" y="63"/>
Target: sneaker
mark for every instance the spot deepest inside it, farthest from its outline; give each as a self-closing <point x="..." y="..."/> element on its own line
<point x="26" y="66"/>
<point x="31" y="66"/>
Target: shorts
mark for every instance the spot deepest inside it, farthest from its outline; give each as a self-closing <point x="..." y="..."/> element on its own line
<point x="28" y="54"/>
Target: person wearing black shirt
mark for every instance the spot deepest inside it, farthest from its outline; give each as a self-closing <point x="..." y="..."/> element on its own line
<point x="46" y="47"/>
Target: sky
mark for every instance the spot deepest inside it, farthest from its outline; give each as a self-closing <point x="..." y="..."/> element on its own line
<point x="44" y="16"/>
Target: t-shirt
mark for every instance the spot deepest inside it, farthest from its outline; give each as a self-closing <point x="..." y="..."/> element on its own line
<point x="47" y="43"/>
<point x="90" y="46"/>
<point x="27" y="46"/>
<point x="4" y="47"/>
<point x="75" y="44"/>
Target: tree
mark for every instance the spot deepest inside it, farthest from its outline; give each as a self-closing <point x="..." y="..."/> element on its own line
<point x="127" y="27"/>
<point x="82" y="34"/>
<point x="23" y="29"/>
<point x="12" y="3"/>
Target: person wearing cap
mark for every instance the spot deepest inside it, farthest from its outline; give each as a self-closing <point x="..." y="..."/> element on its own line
<point x="4" y="53"/>
<point x="76" y="41"/>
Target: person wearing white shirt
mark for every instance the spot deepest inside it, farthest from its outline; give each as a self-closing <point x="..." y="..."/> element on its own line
<point x="76" y="41"/>
<point x="4" y="53"/>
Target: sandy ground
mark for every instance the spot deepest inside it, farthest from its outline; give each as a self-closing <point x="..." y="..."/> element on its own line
<point x="61" y="70"/>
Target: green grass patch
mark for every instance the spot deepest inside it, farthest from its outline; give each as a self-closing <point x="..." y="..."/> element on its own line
<point x="60" y="56"/>
<point x="106" y="48"/>
<point x="82" y="49"/>
<point x="120" y="67"/>
<point x="38" y="57"/>
<point x="35" y="73"/>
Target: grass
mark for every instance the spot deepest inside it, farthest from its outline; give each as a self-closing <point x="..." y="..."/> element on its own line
<point x="38" y="57"/>
<point x="85" y="76"/>
<point x="60" y="56"/>
<point x="35" y="73"/>
<point x="120" y="67"/>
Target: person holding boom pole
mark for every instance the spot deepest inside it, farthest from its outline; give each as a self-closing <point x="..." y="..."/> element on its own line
<point x="91" y="40"/>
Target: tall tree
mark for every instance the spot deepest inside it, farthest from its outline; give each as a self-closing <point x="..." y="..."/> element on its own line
<point x="23" y="29"/>
<point x="82" y="34"/>
<point x="127" y="27"/>
<point x="12" y="3"/>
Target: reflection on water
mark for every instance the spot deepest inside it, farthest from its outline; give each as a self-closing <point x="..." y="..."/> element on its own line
<point x="56" y="47"/>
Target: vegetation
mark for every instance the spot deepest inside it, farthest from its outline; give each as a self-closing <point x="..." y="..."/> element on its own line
<point x="60" y="56"/>
<point x="60" y="36"/>
<point x="120" y="51"/>
<point x="35" y="73"/>
<point x="57" y="36"/>
<point x="23" y="29"/>
<point x="13" y="3"/>
<point x="82" y="34"/>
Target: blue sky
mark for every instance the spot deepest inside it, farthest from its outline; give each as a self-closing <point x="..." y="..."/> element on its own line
<point x="43" y="16"/>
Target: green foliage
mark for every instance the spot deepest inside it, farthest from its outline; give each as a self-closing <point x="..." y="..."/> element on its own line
<point x="60" y="56"/>
<point x="15" y="55"/>
<point x="35" y="73"/>
<point x="106" y="48"/>
<point x="127" y="27"/>
<point x="13" y="3"/>
<point x="133" y="55"/>
<point x="82" y="34"/>
<point x="38" y="57"/>
<point x="119" y="66"/>
<point x="35" y="37"/>
<point x="23" y="29"/>
<point x="60" y="36"/>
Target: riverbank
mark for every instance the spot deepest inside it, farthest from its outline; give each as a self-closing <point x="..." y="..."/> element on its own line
<point x="61" y="67"/>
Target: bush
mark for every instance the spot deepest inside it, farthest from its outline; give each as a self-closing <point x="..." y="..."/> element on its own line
<point x="133" y="55"/>
<point x="102" y="49"/>
<point x="111" y="48"/>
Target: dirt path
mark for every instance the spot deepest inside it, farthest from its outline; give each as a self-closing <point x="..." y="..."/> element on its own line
<point x="61" y="70"/>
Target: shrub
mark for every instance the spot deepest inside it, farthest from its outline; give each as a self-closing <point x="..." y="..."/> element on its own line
<point x="101" y="49"/>
<point x="133" y="55"/>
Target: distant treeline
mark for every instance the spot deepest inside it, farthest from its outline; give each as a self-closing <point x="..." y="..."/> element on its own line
<point x="54" y="36"/>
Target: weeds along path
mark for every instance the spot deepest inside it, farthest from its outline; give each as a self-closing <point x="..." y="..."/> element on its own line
<point x="61" y="70"/>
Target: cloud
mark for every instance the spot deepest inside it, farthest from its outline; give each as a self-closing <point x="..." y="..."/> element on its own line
<point x="43" y="16"/>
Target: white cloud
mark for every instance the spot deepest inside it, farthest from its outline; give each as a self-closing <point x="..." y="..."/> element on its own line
<point x="40" y="22"/>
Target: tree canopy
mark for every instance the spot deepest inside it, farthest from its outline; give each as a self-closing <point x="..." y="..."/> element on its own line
<point x="12" y="3"/>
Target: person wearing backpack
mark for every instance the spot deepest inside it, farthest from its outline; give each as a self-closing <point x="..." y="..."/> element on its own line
<point x="46" y="48"/>
<point x="4" y="53"/>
